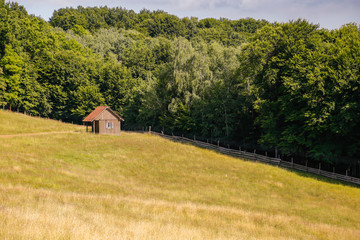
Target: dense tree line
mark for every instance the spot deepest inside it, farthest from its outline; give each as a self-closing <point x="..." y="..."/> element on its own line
<point x="290" y="86"/>
<point x="156" y="24"/>
<point x="306" y="82"/>
<point x="44" y="73"/>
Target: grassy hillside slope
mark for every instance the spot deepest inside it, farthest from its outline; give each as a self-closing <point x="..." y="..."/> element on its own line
<point x="15" y="123"/>
<point x="82" y="186"/>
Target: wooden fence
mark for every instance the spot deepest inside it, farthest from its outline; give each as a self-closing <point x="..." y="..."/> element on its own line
<point x="261" y="158"/>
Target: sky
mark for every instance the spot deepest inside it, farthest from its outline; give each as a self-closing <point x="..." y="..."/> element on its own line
<point x="330" y="14"/>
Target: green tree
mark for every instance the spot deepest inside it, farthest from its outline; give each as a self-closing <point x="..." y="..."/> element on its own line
<point x="12" y="70"/>
<point x="4" y="28"/>
<point x="300" y="87"/>
<point x="116" y="85"/>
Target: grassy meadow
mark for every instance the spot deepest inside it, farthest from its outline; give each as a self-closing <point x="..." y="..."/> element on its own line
<point x="18" y="123"/>
<point x="76" y="185"/>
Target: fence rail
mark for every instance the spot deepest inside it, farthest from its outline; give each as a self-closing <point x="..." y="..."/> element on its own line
<point x="261" y="158"/>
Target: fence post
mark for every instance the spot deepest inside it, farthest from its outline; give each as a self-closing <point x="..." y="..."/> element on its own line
<point x="346" y="172"/>
<point x="194" y="138"/>
<point x="319" y="168"/>
<point x="239" y="148"/>
<point x="276" y="154"/>
<point x="149" y="129"/>
<point x="267" y="157"/>
<point x="218" y="143"/>
<point x="255" y="155"/>
<point x="292" y="162"/>
<point x="306" y="165"/>
<point x="228" y="146"/>
<point x="279" y="160"/>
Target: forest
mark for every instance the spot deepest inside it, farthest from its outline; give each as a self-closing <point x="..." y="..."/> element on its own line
<point x="293" y="87"/>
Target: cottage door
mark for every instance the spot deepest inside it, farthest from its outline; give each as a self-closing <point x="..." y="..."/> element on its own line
<point x="96" y="126"/>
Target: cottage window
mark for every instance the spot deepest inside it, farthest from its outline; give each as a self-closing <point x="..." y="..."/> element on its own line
<point x="109" y="125"/>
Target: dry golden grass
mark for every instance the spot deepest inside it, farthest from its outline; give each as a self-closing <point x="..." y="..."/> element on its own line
<point x="84" y="186"/>
<point x="18" y="123"/>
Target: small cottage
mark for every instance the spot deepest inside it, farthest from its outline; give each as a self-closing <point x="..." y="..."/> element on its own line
<point x="104" y="120"/>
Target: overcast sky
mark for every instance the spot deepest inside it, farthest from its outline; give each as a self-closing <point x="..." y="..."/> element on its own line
<point x="329" y="14"/>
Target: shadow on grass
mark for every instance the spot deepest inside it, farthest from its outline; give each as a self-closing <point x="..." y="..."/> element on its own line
<point x="322" y="178"/>
<point x="298" y="172"/>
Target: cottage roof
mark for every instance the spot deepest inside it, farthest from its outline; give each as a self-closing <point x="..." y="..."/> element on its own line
<point x="92" y="116"/>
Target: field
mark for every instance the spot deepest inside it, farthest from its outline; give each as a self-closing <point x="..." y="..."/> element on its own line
<point x="13" y="123"/>
<point x="76" y="185"/>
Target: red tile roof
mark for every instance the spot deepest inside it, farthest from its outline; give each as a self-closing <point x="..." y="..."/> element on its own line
<point x="99" y="110"/>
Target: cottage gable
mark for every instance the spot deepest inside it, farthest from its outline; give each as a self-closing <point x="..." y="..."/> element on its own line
<point x="102" y="112"/>
<point x="104" y="120"/>
<point x="106" y="114"/>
